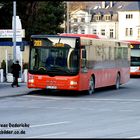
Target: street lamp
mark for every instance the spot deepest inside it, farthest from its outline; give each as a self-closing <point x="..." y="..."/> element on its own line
<point x="14" y="31"/>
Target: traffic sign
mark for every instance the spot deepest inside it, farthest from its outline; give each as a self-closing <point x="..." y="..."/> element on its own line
<point x="9" y="33"/>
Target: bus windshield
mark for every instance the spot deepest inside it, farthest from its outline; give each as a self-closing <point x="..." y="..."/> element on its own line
<point x="135" y="57"/>
<point x="54" y="58"/>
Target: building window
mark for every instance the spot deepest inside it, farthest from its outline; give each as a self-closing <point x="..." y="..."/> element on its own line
<point x="82" y="31"/>
<point x="128" y="32"/>
<point x="82" y="19"/>
<point x="98" y="18"/>
<point x="107" y="18"/>
<point x="129" y="16"/>
<point x="75" y="30"/>
<point x="94" y="31"/>
<point x="111" y="33"/>
<point x="138" y="33"/>
<point x="75" y="20"/>
<point x="102" y="31"/>
<point x="131" y="31"/>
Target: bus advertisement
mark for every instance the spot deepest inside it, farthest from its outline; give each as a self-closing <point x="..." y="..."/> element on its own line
<point x="135" y="58"/>
<point x="78" y="63"/>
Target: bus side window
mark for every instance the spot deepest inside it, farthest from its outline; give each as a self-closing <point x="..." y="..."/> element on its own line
<point x="83" y="58"/>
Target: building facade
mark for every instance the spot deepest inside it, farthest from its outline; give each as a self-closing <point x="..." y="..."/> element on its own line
<point x="115" y="20"/>
<point x="129" y="21"/>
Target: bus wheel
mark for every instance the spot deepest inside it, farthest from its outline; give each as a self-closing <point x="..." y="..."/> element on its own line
<point x="91" y="86"/>
<point x="117" y="84"/>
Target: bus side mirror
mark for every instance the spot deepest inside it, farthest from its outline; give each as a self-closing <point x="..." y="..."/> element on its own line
<point x="22" y="46"/>
<point x="83" y="58"/>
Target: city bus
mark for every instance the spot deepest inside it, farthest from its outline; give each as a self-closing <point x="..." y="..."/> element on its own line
<point x="77" y="63"/>
<point x="135" y="58"/>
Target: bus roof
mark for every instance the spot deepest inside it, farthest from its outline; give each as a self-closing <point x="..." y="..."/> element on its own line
<point x="132" y="41"/>
<point x="70" y="35"/>
<point x="80" y="35"/>
<point x="46" y="36"/>
<point x="86" y="39"/>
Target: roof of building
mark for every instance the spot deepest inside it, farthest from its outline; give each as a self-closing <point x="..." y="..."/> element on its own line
<point x="131" y="6"/>
<point x="113" y="7"/>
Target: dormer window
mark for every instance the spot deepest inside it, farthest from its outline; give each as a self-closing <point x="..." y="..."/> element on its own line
<point x="98" y="17"/>
<point x="108" y="17"/>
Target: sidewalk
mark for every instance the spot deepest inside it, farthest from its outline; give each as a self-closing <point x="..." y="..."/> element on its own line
<point x="6" y="89"/>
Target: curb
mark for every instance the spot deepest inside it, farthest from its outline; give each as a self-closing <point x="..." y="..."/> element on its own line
<point x="7" y="91"/>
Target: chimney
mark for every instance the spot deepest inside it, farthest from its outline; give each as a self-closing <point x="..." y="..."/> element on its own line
<point x="103" y="4"/>
<point x="111" y="3"/>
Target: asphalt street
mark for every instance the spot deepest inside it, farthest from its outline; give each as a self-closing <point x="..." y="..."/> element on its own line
<point x="108" y="113"/>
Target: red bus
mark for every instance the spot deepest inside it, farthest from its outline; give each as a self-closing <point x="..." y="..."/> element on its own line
<point x="135" y="58"/>
<point x="77" y="63"/>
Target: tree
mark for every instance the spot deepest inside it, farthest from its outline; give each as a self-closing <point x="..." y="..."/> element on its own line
<point x="6" y="15"/>
<point x="37" y="17"/>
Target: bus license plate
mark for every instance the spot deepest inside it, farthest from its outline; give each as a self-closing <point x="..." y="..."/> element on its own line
<point x="51" y="87"/>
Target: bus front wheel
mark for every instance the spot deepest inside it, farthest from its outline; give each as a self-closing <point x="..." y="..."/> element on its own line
<point x="91" y="88"/>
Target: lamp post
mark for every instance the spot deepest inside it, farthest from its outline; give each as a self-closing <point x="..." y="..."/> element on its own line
<point x="14" y="31"/>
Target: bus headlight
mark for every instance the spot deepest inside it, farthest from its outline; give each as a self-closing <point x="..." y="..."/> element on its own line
<point x="31" y="79"/>
<point x="73" y="83"/>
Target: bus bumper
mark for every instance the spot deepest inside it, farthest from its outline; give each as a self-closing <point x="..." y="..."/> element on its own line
<point x="135" y="71"/>
<point x="56" y="82"/>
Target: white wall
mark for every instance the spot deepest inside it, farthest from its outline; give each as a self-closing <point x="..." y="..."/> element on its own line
<point x="118" y="27"/>
<point x="128" y="23"/>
